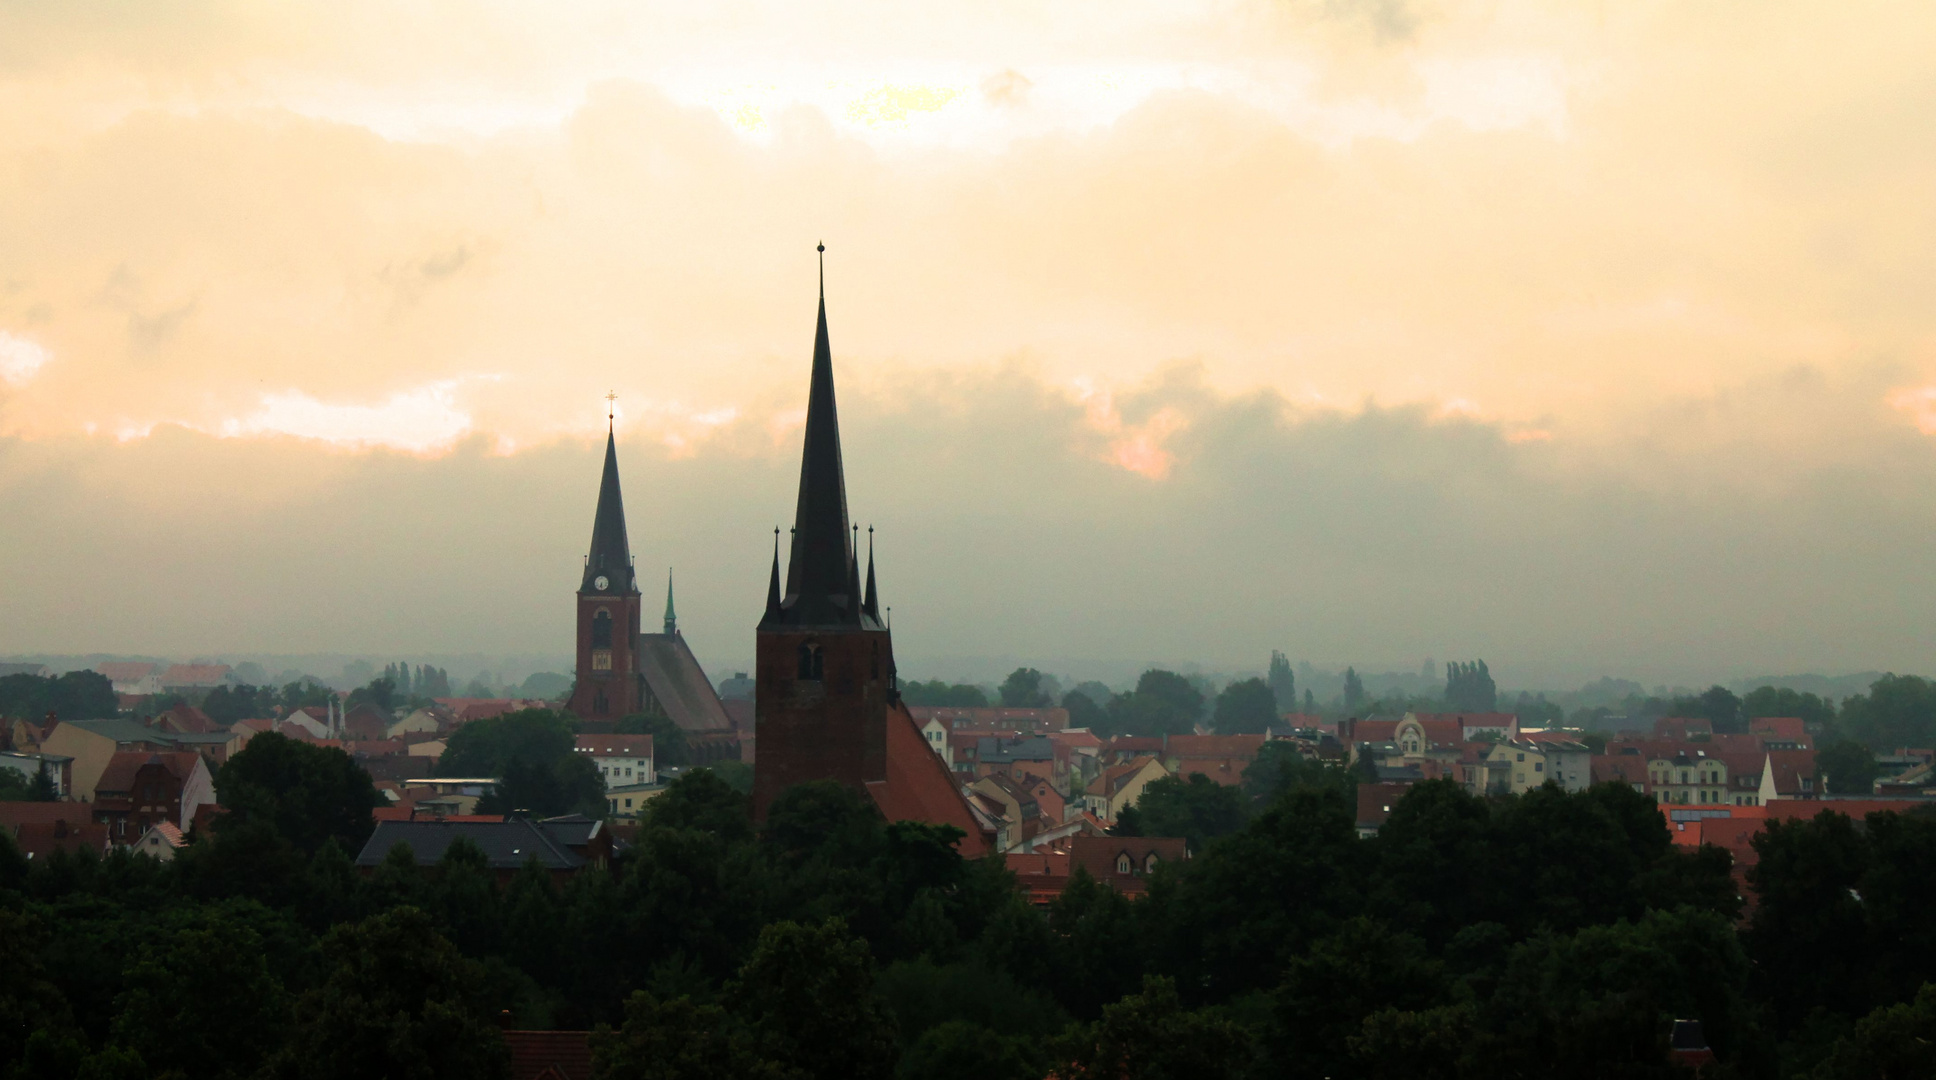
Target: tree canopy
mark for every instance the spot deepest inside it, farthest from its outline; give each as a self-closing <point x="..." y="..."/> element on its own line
<point x="1245" y="707"/>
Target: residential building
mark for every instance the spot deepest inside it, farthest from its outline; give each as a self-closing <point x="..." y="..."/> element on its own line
<point x="563" y="846"/>
<point x="59" y="769"/>
<point x="1375" y="802"/>
<point x="161" y="841"/>
<point x="549" y="1055"/>
<point x="139" y="789"/>
<point x="1012" y="805"/>
<point x="91" y="744"/>
<point x="627" y="801"/>
<point x="40" y="829"/>
<point x="137" y="678"/>
<point x="38" y="671"/>
<point x="621" y="759"/>
<point x="193" y="678"/>
<point x="1119" y="786"/>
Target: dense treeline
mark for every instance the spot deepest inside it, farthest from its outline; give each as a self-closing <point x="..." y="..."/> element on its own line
<point x="1542" y="935"/>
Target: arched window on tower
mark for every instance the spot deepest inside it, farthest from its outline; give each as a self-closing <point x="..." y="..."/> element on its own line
<point x="602" y="629"/>
<point x="811" y="661"/>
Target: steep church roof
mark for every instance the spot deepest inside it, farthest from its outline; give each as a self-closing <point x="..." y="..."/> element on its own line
<point x="675" y="678"/>
<point x="823" y="582"/>
<point x="611" y="553"/>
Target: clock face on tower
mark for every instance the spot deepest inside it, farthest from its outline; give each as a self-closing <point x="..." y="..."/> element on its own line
<point x="600" y="582"/>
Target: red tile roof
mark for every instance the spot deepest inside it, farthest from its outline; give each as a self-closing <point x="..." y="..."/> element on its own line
<point x="1099" y="855"/>
<point x="122" y="767"/>
<point x="195" y="675"/>
<point x="549" y="1055"/>
<point x="1781" y="727"/>
<point x="125" y="671"/>
<point x="919" y="786"/>
<point x="37" y="840"/>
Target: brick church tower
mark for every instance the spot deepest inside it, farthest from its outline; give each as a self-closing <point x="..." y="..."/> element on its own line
<point x="825" y="660"/>
<point x="609" y="683"/>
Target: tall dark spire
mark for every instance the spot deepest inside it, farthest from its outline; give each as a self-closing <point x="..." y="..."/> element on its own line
<point x="773" y="583"/>
<point x="871" y="605"/>
<point x="671" y="618"/>
<point x="611" y="555"/>
<point x="821" y="587"/>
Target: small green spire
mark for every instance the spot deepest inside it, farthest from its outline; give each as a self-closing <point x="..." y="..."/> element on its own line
<point x="671" y="618"/>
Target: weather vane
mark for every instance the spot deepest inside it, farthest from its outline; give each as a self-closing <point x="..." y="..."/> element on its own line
<point x="611" y="405"/>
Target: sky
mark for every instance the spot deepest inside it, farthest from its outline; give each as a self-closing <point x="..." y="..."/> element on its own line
<point x="1587" y="338"/>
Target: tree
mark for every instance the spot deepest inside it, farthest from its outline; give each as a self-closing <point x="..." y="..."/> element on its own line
<point x="1283" y="683"/>
<point x="1354" y="690"/>
<point x="380" y="692"/>
<point x="1084" y="711"/>
<point x="76" y="695"/>
<point x="1814" y="712"/>
<point x="1280" y="766"/>
<point x="964" y="1050"/>
<point x="1247" y="707"/>
<point x="1364" y="967"/>
<point x="1151" y="1036"/>
<point x="1163" y="703"/>
<point x="1198" y="809"/>
<point x="1023" y="690"/>
<point x="306" y="793"/>
<point x="701" y="800"/>
<point x="679" y="1039"/>
<point x="669" y="746"/>
<point x="398" y="1000"/>
<point x="202" y="1001"/>
<point x="227" y="704"/>
<point x="486" y="747"/>
<point x="1898" y="710"/>
<point x="1469" y="687"/>
<point x="1809" y="931"/>
<point x="1718" y="705"/>
<point x="564" y="785"/>
<point x="1848" y="767"/>
<point x="808" y="992"/>
<point x="1893" y="1041"/>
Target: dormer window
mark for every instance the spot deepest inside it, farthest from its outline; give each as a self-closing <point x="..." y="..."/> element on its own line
<point x="1123" y="865"/>
<point x="1149" y="863"/>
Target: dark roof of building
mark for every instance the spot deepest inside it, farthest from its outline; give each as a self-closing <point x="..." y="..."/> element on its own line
<point x="126" y="764"/>
<point x="507" y="845"/>
<point x="823" y="574"/>
<point x="675" y="678"/>
<point x="121" y="731"/>
<point x="611" y="553"/>
<point x="997" y="750"/>
<point x="549" y="1055"/>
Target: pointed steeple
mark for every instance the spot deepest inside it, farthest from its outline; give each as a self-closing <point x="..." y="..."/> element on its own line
<point x="821" y="583"/>
<point x="671" y="617"/>
<point x="871" y="605"/>
<point x="773" y="583"/>
<point x="611" y="554"/>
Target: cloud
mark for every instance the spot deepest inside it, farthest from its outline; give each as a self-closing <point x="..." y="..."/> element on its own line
<point x="20" y="359"/>
<point x="420" y="420"/>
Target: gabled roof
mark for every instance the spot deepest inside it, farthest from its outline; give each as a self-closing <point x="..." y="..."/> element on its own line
<point x="195" y="675"/>
<point x="37" y="839"/>
<point x="998" y="750"/>
<point x="185" y="719"/>
<point x="126" y="764"/>
<point x="1098" y="855"/>
<point x="1111" y="779"/>
<point x="919" y="786"/>
<point x="126" y="671"/>
<point x="676" y="680"/>
<point x="615" y="745"/>
<point x="549" y="1055"/>
<point x="507" y="845"/>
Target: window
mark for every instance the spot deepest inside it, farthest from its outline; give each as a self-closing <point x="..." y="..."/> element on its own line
<point x="1539" y="766"/>
<point x="602" y="629"/>
<point x="812" y="662"/>
<point x="1149" y="863"/>
<point x="1122" y="863"/>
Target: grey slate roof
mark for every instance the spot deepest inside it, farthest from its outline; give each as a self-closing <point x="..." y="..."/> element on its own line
<point x="993" y="749"/>
<point x="507" y="845"/>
